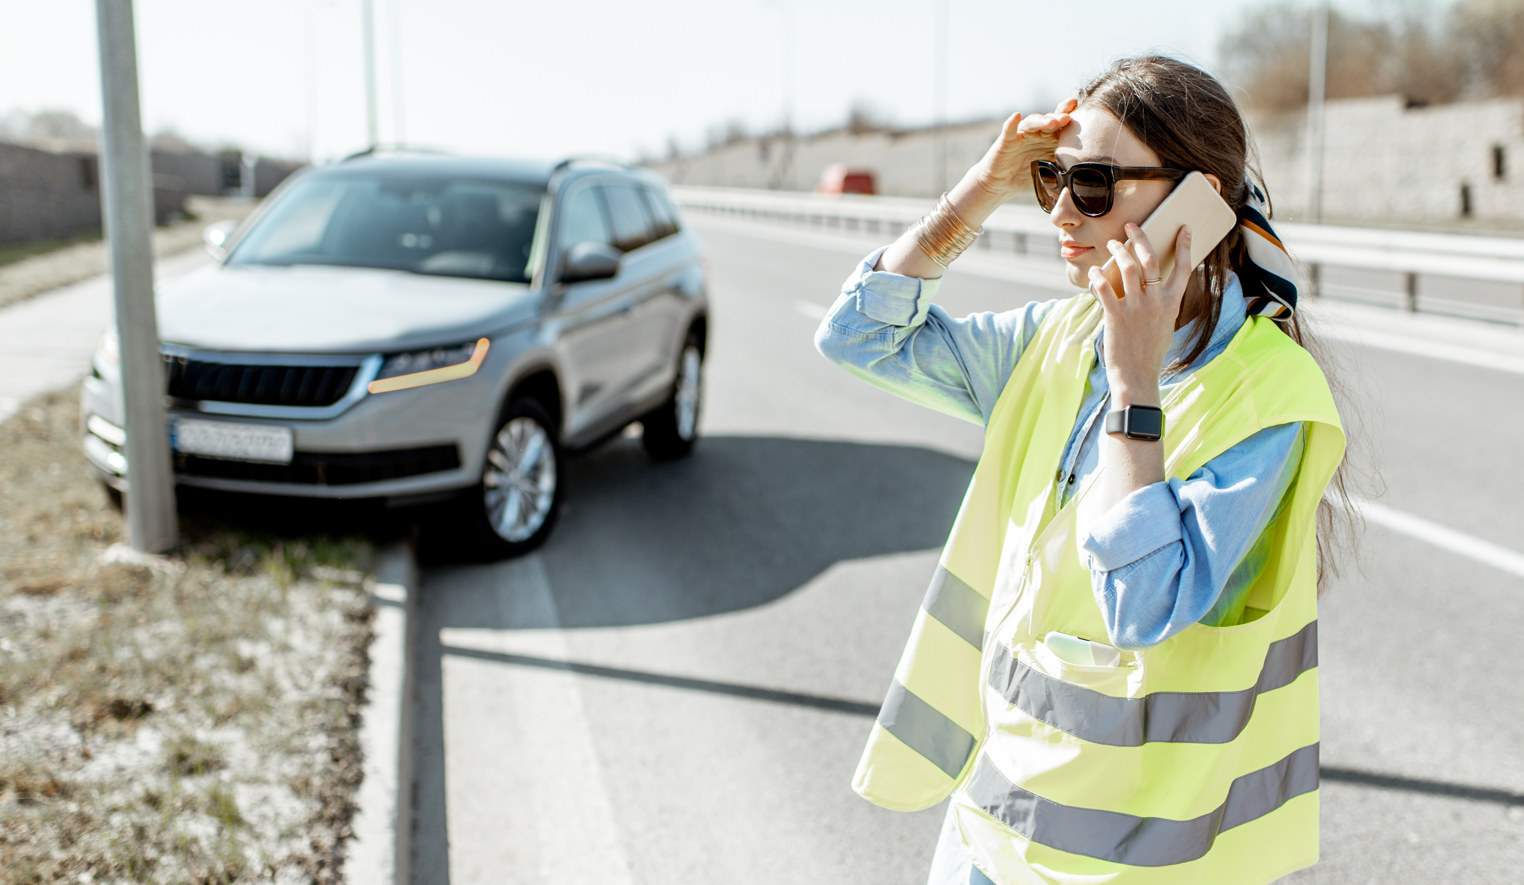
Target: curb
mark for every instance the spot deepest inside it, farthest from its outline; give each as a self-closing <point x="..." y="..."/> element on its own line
<point x="381" y="851"/>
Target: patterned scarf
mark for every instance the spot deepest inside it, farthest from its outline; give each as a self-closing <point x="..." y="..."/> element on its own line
<point x="1268" y="277"/>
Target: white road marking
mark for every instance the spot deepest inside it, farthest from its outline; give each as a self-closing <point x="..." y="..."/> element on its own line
<point x="1439" y="350"/>
<point x="520" y="762"/>
<point x="810" y="310"/>
<point x="1445" y="538"/>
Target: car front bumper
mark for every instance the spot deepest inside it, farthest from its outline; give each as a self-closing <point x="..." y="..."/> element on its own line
<point x="403" y="445"/>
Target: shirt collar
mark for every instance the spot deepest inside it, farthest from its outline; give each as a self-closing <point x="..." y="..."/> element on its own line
<point x="1232" y="315"/>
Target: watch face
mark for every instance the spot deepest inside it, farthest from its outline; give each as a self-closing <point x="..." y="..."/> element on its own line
<point x="1144" y="423"/>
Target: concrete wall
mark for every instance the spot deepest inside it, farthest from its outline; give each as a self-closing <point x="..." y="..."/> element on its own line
<point x="49" y="196"/>
<point x="46" y="196"/>
<point x="1383" y="161"/>
<point x="904" y="164"/>
<point x="1386" y="162"/>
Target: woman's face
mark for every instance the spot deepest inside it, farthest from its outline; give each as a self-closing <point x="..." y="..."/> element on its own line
<point x="1096" y="136"/>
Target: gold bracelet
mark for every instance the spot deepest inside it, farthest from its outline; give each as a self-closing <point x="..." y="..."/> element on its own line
<point x="942" y="235"/>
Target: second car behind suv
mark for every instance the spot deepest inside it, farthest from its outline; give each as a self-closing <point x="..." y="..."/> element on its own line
<point x="419" y="327"/>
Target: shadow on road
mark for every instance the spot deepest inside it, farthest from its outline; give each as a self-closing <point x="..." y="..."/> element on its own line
<point x="740" y="523"/>
<point x="743" y="522"/>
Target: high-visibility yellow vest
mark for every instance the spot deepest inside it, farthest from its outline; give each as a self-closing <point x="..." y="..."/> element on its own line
<point x="1195" y="761"/>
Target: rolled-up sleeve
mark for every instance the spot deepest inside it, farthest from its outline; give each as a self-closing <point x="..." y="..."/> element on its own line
<point x="1161" y="558"/>
<point x="885" y="329"/>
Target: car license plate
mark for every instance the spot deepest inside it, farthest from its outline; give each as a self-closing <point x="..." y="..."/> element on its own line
<point x="233" y="442"/>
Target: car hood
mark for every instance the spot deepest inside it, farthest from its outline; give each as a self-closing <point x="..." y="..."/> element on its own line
<point x="310" y="309"/>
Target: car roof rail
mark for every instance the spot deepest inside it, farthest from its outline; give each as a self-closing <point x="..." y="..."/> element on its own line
<point x="376" y="150"/>
<point x="593" y="159"/>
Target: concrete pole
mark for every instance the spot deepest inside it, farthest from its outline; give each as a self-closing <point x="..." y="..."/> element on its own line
<point x="399" y="96"/>
<point x="784" y="178"/>
<point x="939" y="154"/>
<point x="1317" y="87"/>
<point x="127" y="204"/>
<point x="368" y="23"/>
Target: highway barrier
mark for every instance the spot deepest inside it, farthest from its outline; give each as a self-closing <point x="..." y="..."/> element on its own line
<point x="1027" y="230"/>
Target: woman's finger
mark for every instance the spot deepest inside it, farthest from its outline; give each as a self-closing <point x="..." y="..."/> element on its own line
<point x="1179" y="276"/>
<point x="1127" y="267"/>
<point x="1067" y="106"/>
<point x="1103" y="291"/>
<point x="1012" y="127"/>
<point x="1148" y="260"/>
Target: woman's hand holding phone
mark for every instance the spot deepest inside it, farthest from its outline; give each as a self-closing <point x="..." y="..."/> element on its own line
<point x="1140" y="320"/>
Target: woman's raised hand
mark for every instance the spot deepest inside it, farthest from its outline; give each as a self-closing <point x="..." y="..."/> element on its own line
<point x="1003" y="172"/>
<point x="1006" y="169"/>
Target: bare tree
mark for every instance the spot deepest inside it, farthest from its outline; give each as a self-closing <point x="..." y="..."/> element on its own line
<point x="1417" y="52"/>
<point x="1492" y="32"/>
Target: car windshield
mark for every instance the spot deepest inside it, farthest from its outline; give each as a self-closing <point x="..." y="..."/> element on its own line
<point x="430" y="225"/>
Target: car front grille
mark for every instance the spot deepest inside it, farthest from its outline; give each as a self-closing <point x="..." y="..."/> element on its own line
<point x="327" y="468"/>
<point x="192" y="379"/>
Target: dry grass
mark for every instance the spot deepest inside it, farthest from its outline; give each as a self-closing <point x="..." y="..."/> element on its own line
<point x="189" y="721"/>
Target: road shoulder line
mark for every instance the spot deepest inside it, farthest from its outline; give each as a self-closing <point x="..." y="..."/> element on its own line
<point x="381" y="851"/>
<point x="1444" y="537"/>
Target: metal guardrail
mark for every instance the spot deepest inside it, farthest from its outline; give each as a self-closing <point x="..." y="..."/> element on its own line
<point x="1026" y="230"/>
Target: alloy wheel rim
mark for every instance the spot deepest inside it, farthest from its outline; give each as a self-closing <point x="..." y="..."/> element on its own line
<point x="519" y="484"/>
<point x="689" y="387"/>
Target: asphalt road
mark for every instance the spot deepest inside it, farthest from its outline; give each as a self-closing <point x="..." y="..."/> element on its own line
<point x="677" y="687"/>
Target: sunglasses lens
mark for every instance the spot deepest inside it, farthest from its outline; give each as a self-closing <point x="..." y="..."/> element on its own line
<point x="1090" y="189"/>
<point x="1047" y="187"/>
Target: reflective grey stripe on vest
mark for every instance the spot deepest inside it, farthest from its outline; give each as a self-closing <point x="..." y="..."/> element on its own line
<point x="1206" y="717"/>
<point x="1140" y="841"/>
<point x="919" y="726"/>
<point x="958" y="606"/>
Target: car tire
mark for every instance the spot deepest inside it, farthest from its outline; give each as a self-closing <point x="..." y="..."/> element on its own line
<point x="670" y="430"/>
<point x="515" y="505"/>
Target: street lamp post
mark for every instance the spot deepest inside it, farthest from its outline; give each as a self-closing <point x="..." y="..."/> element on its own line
<point x="939" y="100"/>
<point x="786" y="21"/>
<point x="399" y="96"/>
<point x="368" y="24"/>
<point x="1317" y="87"/>
<point x="127" y="204"/>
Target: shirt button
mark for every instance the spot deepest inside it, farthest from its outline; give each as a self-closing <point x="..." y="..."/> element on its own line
<point x="1071" y="479"/>
<point x="1060" y="476"/>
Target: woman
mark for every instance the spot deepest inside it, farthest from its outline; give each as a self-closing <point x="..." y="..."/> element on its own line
<point x="1114" y="671"/>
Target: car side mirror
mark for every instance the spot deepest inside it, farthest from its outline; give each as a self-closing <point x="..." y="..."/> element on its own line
<point x="590" y="261"/>
<point x="216" y="236"/>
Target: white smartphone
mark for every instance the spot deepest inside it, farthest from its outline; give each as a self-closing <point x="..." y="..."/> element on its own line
<point x="1193" y="202"/>
<point x="1084" y="652"/>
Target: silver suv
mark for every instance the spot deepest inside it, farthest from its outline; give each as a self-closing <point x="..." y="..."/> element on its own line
<point x="416" y="328"/>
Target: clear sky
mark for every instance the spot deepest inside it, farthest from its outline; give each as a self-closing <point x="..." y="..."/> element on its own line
<point x="554" y="77"/>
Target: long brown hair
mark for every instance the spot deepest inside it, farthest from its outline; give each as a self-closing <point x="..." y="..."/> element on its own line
<point x="1190" y="121"/>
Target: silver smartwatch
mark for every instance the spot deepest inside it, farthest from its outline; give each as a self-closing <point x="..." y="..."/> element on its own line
<point x="1136" y="422"/>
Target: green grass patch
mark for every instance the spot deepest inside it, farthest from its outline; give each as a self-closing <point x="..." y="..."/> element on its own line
<point x="10" y="253"/>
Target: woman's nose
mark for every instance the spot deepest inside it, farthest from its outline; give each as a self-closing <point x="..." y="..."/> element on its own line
<point x="1064" y="213"/>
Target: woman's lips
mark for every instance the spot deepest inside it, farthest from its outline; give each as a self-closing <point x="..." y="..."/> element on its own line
<point x="1071" y="251"/>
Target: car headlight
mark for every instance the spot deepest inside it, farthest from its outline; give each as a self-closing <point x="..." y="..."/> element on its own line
<point x="406" y="370"/>
<point x="107" y="347"/>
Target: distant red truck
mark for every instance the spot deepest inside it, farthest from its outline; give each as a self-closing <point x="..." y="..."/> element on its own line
<point x="839" y="179"/>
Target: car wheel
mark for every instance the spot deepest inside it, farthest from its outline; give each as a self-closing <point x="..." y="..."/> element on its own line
<point x="671" y="429"/>
<point x="519" y="496"/>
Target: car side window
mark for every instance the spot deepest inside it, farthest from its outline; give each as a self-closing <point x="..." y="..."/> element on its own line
<point x="583" y="221"/>
<point x="663" y="218"/>
<point x="627" y="212"/>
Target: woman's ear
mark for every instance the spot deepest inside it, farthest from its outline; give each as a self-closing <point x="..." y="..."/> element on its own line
<point x="1216" y="182"/>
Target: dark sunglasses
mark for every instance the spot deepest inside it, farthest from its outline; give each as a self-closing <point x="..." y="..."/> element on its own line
<point x="1091" y="185"/>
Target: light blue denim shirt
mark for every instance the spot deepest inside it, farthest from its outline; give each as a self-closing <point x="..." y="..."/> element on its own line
<point x="1169" y="555"/>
